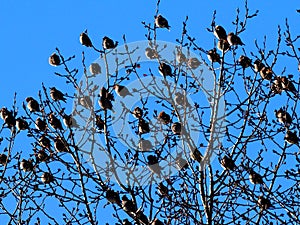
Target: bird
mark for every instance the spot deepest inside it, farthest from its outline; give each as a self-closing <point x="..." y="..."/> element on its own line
<point x="223" y="45"/>
<point x="69" y="121"/>
<point x="54" y="60"/>
<point x="176" y="128"/>
<point x="162" y="22"/>
<point x="288" y="85"/>
<point x="57" y="95"/>
<point x="153" y="164"/>
<point x="162" y="190"/>
<point x="227" y="163"/>
<point x="85" y="40"/>
<point x="157" y="222"/>
<point x="291" y="137"/>
<point x="4" y="112"/>
<point x="10" y="120"/>
<point x="99" y="122"/>
<point x="113" y="196"/>
<point x="106" y="94"/>
<point x="40" y="124"/>
<point x="255" y="178"/>
<point x="266" y="73"/>
<point x="213" y="56"/>
<point x="60" y="144"/>
<point x="137" y="112"/>
<point x="245" y="62"/>
<point x="276" y="86"/>
<point x="108" y="43"/>
<point x="193" y="63"/>
<point x="95" y="68"/>
<point x="85" y="101"/>
<point x="165" y="70"/>
<point x="42" y="156"/>
<point x="151" y="53"/>
<point x="164" y="117"/>
<point x="47" y="178"/>
<point x="180" y="99"/>
<point x="26" y="165"/>
<point x="180" y="57"/>
<point x="142" y="218"/>
<point x="220" y="32"/>
<point x="264" y="203"/>
<point x="283" y="117"/>
<point x="196" y="155"/>
<point x="3" y="159"/>
<point x="32" y="104"/>
<point x="54" y="122"/>
<point x="234" y="40"/>
<point x="143" y="126"/>
<point x="128" y="205"/>
<point x="44" y="142"/>
<point x="105" y="104"/>
<point x="145" y="145"/>
<point x="122" y="90"/>
<point x="258" y="65"/>
<point x="21" y="124"/>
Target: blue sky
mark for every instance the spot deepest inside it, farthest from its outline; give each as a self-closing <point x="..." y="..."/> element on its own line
<point x="31" y="30"/>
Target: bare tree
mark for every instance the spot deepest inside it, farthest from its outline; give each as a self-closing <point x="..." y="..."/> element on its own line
<point x="160" y="133"/>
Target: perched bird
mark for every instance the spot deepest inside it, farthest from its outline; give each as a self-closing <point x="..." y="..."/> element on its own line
<point x="145" y="145"/>
<point x="40" y="124"/>
<point x="196" y="155"/>
<point x="54" y="122"/>
<point x="85" y="40"/>
<point x="137" y="112"/>
<point x="234" y="40"/>
<point x="276" y="86"/>
<point x="227" y="163"/>
<point x="42" y="156"/>
<point x="99" y="122"/>
<point x="60" y="144"/>
<point x="143" y="219"/>
<point x="258" y="65"/>
<point x="193" y="63"/>
<point x="32" y="104"/>
<point x="70" y="121"/>
<point x="44" y="142"/>
<point x="165" y="70"/>
<point x="223" y="45"/>
<point x="143" y="126"/>
<point x="283" y="117"/>
<point x="54" y="60"/>
<point x="122" y="90"/>
<point x="161" y="22"/>
<point x="153" y="164"/>
<point x="255" y="178"/>
<point x="291" y="137"/>
<point x="4" y="112"/>
<point x="220" y="33"/>
<point x="245" y="62"/>
<point x="288" y="85"/>
<point x="264" y="203"/>
<point x="21" y="124"/>
<point x="10" y="120"/>
<point x="47" y="178"/>
<point x="105" y="104"/>
<point x="85" y="101"/>
<point x="26" y="165"/>
<point x="113" y="196"/>
<point x="180" y="99"/>
<point x="266" y="73"/>
<point x="95" y="69"/>
<point x="176" y="128"/>
<point x="151" y="53"/>
<point x="163" y="190"/>
<point x="128" y="205"/>
<point x="106" y="94"/>
<point x="3" y="159"/>
<point x="164" y="117"/>
<point x="213" y="56"/>
<point x="180" y="57"/>
<point x="108" y="43"/>
<point x="57" y="95"/>
<point x="126" y="222"/>
<point x="157" y="222"/>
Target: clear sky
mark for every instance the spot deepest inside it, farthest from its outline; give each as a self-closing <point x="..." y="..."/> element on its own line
<point x="31" y="30"/>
